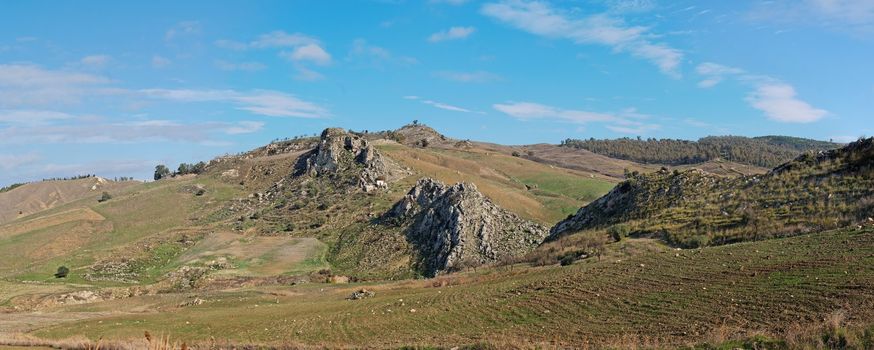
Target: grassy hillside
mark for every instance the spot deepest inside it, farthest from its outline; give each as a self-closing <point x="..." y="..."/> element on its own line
<point x="812" y="193"/>
<point x="782" y="288"/>
<point x="25" y="199"/>
<point x="534" y="190"/>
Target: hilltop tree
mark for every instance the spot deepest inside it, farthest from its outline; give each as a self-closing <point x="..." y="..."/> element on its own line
<point x="161" y="171"/>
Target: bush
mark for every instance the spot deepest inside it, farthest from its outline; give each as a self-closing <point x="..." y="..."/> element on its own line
<point x="104" y="197"/>
<point x="63" y="271"/>
<point x="618" y="231"/>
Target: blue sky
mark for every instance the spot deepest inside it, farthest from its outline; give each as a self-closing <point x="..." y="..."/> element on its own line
<point x="115" y="87"/>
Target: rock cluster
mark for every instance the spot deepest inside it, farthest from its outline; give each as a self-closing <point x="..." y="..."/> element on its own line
<point x="340" y="151"/>
<point x="360" y="294"/>
<point x="453" y="227"/>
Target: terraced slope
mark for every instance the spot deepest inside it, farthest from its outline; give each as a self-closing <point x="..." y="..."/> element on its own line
<point x="665" y="298"/>
<point x="37" y="196"/>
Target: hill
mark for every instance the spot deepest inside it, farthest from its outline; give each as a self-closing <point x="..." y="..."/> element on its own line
<point x="815" y="192"/>
<point x="441" y="243"/>
<point x="26" y="199"/>
<point x="765" y="151"/>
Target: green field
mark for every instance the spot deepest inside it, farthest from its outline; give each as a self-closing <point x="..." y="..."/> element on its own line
<point x="662" y="298"/>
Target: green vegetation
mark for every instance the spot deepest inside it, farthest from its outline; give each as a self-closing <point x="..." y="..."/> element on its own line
<point x="11" y="187"/>
<point x="738" y="294"/>
<point x="62" y="272"/>
<point x="693" y="209"/>
<point x="765" y="151"/>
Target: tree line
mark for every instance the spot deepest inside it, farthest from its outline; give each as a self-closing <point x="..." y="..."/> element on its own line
<point x="162" y="171"/>
<point x="765" y="151"/>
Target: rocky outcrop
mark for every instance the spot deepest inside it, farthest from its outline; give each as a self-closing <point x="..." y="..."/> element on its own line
<point x="340" y="152"/>
<point x="457" y="226"/>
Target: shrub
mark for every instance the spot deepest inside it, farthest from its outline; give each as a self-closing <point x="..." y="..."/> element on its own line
<point x="618" y="231"/>
<point x="62" y="272"/>
<point x="104" y="197"/>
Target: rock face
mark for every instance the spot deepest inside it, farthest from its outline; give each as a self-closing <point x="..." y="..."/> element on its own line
<point x="454" y="226"/>
<point x="340" y="151"/>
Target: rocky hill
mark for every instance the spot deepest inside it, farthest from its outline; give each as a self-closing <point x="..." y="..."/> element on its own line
<point x="457" y="226"/>
<point x="814" y="192"/>
<point x="341" y="153"/>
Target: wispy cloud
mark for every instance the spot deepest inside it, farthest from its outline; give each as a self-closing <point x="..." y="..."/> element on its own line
<point x="377" y="56"/>
<point x="541" y="19"/>
<point x="34" y="85"/>
<point x="453" y="33"/>
<point x="99" y="131"/>
<point x="440" y="105"/>
<point x="263" y="102"/>
<point x="469" y="77"/>
<point x="778" y="100"/>
<point x="854" y="16"/>
<point x="627" y="121"/>
<point x="160" y="62"/>
<point x="95" y="61"/>
<point x="300" y="49"/>
<point x="240" y="66"/>
<point x="181" y="29"/>
<point x="14" y="161"/>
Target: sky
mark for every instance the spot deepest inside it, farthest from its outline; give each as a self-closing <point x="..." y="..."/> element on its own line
<point x="115" y="87"/>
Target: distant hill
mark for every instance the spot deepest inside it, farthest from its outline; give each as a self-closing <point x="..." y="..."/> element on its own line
<point x="25" y="199"/>
<point x="693" y="208"/>
<point x="764" y="151"/>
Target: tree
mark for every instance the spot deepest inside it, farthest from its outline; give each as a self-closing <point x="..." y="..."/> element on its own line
<point x="104" y="197"/>
<point x="161" y="171"/>
<point x="63" y="271"/>
<point x="415" y="122"/>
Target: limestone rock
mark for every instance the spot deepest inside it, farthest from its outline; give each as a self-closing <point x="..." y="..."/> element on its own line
<point x="457" y="226"/>
<point x="340" y="151"/>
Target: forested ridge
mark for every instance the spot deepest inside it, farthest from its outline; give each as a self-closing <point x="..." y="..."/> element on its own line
<point x="763" y="151"/>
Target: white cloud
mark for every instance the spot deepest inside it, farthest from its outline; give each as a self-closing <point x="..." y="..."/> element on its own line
<point x="376" y="55"/>
<point x="15" y="161"/>
<point x="453" y="33"/>
<point x="280" y="39"/>
<point x="96" y="61"/>
<point x="541" y="19"/>
<point x="263" y="102"/>
<point x="715" y="73"/>
<point x="33" y="85"/>
<point x="626" y="122"/>
<point x="849" y="15"/>
<point x="244" y="127"/>
<point x="306" y="74"/>
<point x="440" y="105"/>
<point x="469" y="77"/>
<point x="31" y="117"/>
<point x="160" y="62"/>
<point x="531" y="111"/>
<point x="449" y="2"/>
<point x="309" y="52"/>
<point x="779" y="102"/>
<point x="231" y="45"/>
<point x="241" y="66"/>
<point x="181" y="29"/>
